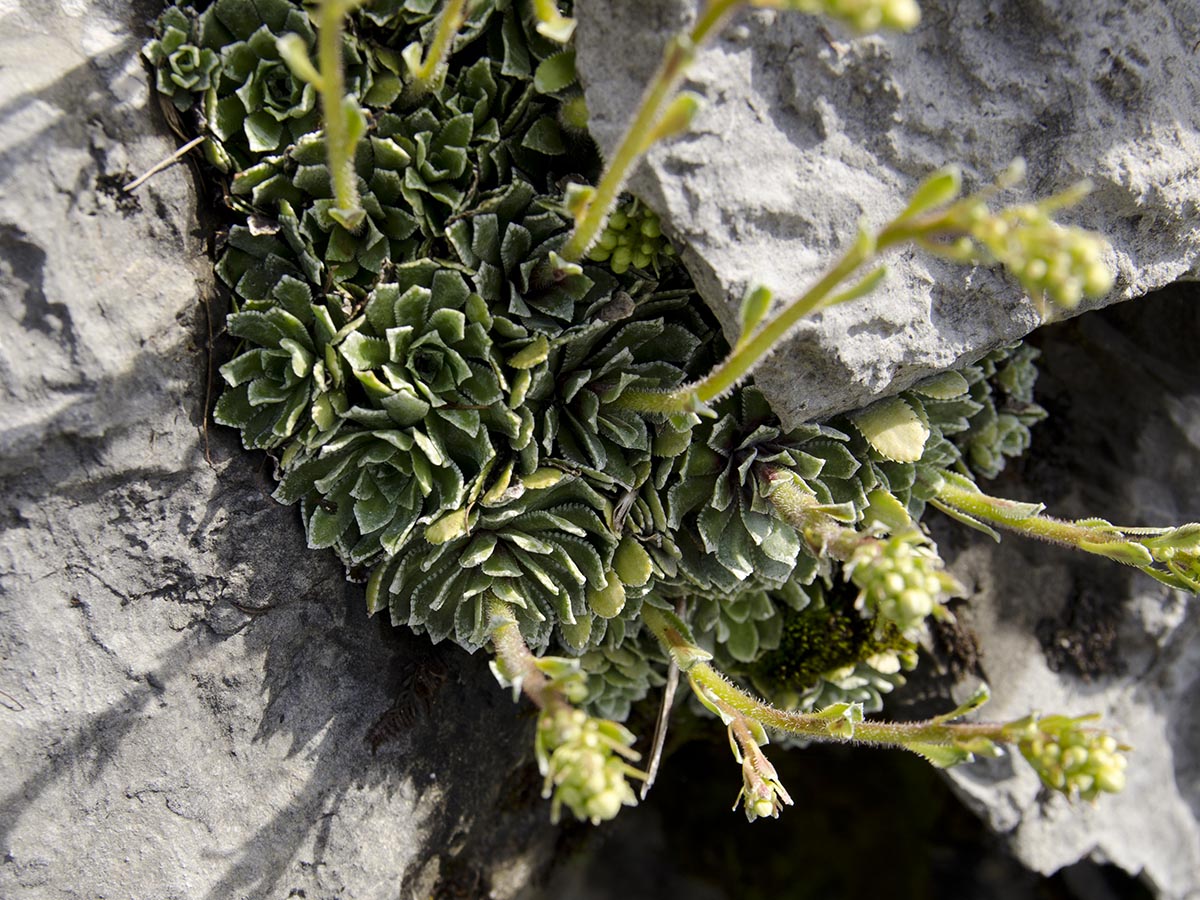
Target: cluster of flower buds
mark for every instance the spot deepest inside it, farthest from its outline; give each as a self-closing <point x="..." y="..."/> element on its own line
<point x="900" y="579"/>
<point x="584" y="761"/>
<point x="633" y="237"/>
<point x="862" y="15"/>
<point x="1072" y="758"/>
<point x="1052" y="261"/>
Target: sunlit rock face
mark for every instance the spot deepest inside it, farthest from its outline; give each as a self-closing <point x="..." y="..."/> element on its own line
<point x="808" y="130"/>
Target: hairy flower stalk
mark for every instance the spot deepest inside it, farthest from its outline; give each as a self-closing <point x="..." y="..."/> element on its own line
<point x="1171" y="555"/>
<point x="429" y="71"/>
<point x="591" y="207"/>
<point x="344" y="120"/>
<point x="1051" y="262"/>
<point x="1068" y="757"/>
<point x="863" y="15"/>
<point x="762" y="795"/>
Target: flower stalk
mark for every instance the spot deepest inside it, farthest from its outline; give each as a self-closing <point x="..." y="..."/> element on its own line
<point x="1171" y="555"/>
<point x="429" y="70"/>
<point x="817" y="523"/>
<point x="592" y="206"/>
<point x="762" y="795"/>
<point x="1067" y="754"/>
<point x="1051" y="261"/>
<point x="842" y="722"/>
<point x="345" y="123"/>
<point x="662" y="114"/>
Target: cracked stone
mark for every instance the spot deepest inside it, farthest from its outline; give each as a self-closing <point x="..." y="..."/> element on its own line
<point x="807" y="130"/>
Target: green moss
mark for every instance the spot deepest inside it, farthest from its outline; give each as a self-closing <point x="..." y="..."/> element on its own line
<point x="821" y="640"/>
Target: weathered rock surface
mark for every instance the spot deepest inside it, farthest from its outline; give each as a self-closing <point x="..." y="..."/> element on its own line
<point x="807" y="130"/>
<point x="1078" y="635"/>
<point x="186" y="691"/>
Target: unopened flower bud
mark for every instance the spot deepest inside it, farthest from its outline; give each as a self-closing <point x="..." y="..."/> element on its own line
<point x="900" y="579"/>
<point x="584" y="762"/>
<point x="1072" y="758"/>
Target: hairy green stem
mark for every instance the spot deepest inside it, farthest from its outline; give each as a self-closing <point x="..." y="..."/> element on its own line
<point x="814" y="725"/>
<point x="954" y="497"/>
<point x="748" y="355"/>
<point x="751" y="351"/>
<point x="330" y="21"/>
<point x="428" y="74"/>
<point x="800" y="509"/>
<point x="678" y="54"/>
<point x="1170" y="555"/>
<point x="514" y="658"/>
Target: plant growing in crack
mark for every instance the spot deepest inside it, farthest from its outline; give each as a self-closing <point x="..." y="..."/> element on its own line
<point x="494" y="385"/>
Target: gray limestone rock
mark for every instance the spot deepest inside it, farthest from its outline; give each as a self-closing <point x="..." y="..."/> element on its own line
<point x="806" y="130"/>
<point x="189" y="696"/>
<point x="1059" y="631"/>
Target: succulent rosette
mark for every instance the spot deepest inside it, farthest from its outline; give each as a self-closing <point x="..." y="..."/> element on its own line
<point x="508" y="244"/>
<point x="295" y="188"/>
<point x="253" y="261"/>
<point x="546" y="551"/>
<point x="428" y="420"/>
<point x="723" y="522"/>
<point x="741" y="627"/>
<point x="288" y="380"/>
<point x="974" y="418"/>
<point x="254" y="105"/>
<point x="649" y="346"/>
<point x="181" y="69"/>
<point x="1002" y="385"/>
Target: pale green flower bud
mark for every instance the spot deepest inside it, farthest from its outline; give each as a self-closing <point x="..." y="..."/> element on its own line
<point x="584" y="762"/>
<point x="762" y="796"/>
<point x="1073" y="759"/>
<point x="900" y="579"/>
